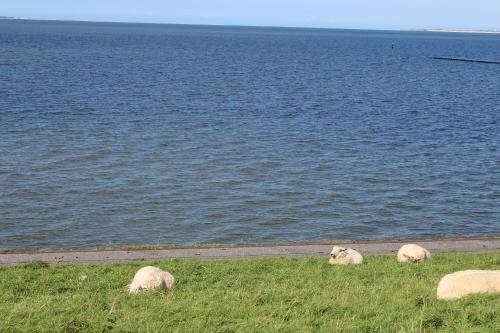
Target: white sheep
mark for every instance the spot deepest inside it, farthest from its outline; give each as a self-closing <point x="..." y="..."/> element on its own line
<point x="413" y="253"/>
<point x="344" y="256"/>
<point x="150" y="277"/>
<point x="463" y="283"/>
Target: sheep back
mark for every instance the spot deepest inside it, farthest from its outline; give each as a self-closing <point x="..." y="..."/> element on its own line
<point x="150" y="277"/>
<point x="463" y="283"/>
<point x="413" y="253"/>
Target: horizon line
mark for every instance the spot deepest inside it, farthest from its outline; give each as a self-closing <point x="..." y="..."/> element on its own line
<point x="453" y="30"/>
<point x="208" y="24"/>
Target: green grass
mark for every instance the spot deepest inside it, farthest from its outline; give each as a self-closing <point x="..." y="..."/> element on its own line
<point x="261" y="295"/>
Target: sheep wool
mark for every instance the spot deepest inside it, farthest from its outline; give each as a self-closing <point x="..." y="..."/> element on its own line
<point x="150" y="277"/>
<point x="344" y="256"/>
<point x="413" y="253"/>
<point x="463" y="283"/>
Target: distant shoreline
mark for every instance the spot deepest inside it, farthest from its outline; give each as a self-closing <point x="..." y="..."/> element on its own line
<point x="460" y="31"/>
<point x="477" y="31"/>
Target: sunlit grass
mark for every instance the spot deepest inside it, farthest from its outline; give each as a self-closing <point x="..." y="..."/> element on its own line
<point x="260" y="295"/>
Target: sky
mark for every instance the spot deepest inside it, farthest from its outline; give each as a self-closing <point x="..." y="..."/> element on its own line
<point x="352" y="14"/>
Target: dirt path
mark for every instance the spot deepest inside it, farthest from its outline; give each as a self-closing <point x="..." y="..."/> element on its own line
<point x="256" y="251"/>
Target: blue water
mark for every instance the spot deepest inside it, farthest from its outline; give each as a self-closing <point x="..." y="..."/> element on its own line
<point x="127" y="133"/>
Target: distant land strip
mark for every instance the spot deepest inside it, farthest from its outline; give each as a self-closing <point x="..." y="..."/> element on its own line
<point x="478" y="244"/>
<point x="468" y="60"/>
<point x="484" y="31"/>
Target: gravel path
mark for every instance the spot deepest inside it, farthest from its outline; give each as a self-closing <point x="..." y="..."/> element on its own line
<point x="491" y="244"/>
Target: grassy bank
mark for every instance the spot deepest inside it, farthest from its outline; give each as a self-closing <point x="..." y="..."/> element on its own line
<point x="261" y="295"/>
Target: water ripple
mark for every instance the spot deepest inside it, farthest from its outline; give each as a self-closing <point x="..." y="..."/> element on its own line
<point x="243" y="135"/>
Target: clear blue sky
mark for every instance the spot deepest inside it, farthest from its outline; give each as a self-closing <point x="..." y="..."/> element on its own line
<point x="375" y="14"/>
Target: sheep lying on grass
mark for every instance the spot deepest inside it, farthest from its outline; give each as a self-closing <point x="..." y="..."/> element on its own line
<point x="150" y="277"/>
<point x="413" y="253"/>
<point x="463" y="283"/>
<point x="343" y="256"/>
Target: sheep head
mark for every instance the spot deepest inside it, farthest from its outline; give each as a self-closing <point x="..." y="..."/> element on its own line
<point x="337" y="251"/>
<point x="411" y="258"/>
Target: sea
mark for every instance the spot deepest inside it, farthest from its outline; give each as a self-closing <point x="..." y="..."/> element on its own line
<point x="117" y="133"/>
